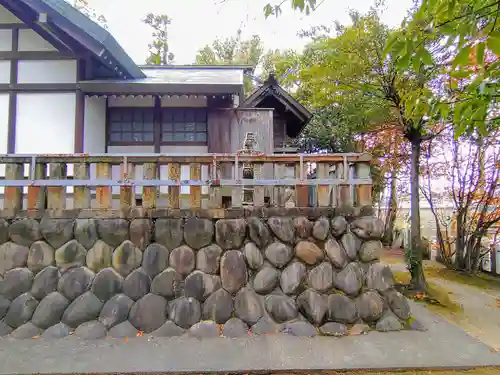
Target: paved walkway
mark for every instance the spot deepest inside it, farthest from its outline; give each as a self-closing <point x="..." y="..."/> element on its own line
<point x="443" y="345"/>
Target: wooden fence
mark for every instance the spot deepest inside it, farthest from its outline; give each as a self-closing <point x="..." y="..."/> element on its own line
<point x="47" y="183"/>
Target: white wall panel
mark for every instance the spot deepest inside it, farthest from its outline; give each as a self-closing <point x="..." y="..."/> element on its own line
<point x="7" y="17"/>
<point x="29" y="40"/>
<point x="5" y="40"/>
<point x="94" y="135"/>
<point x="182" y="101"/>
<point x="147" y="101"/>
<point x="5" y="71"/>
<point x="47" y="71"/>
<point x="4" y="129"/>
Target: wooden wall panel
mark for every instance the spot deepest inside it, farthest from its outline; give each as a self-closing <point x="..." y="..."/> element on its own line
<point x="219" y="130"/>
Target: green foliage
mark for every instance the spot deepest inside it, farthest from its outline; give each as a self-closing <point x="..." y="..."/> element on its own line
<point x="159" y="53"/>
<point x="84" y="7"/>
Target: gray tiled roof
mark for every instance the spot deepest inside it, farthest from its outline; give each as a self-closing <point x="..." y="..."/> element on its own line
<point x="207" y="76"/>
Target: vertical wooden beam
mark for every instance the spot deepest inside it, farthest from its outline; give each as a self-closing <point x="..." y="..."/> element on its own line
<point x="279" y="191"/>
<point x="258" y="191"/>
<point x="81" y="198"/>
<point x="237" y="191"/>
<point x="79" y="110"/>
<point x="174" y="173"/>
<point x="301" y="190"/>
<point x="37" y="194"/>
<point x="56" y="195"/>
<point x="157" y="125"/>
<point x="13" y="196"/>
<point x="149" y="193"/>
<point x="127" y="192"/>
<point x="344" y="193"/>
<point x="11" y="130"/>
<point x="215" y="192"/>
<point x="103" y="193"/>
<point x="195" y="193"/>
<point x="363" y="192"/>
<point x="323" y="193"/>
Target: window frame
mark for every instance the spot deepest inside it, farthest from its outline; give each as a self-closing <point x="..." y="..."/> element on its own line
<point x="204" y="120"/>
<point x="110" y="121"/>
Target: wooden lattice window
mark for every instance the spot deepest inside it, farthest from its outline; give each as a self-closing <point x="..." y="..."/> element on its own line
<point x="184" y="125"/>
<point x="130" y="126"/>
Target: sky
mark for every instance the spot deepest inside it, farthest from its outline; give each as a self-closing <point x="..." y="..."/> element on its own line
<point x="196" y="23"/>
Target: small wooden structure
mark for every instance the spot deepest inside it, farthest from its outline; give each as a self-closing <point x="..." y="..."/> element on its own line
<point x="48" y="185"/>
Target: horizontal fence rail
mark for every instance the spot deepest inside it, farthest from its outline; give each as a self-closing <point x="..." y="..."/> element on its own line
<point x="60" y="181"/>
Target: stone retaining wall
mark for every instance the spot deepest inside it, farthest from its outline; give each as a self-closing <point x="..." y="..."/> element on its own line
<point x="203" y="277"/>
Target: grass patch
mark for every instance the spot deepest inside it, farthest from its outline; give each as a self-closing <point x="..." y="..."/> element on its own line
<point x="477" y="371"/>
<point x="481" y="280"/>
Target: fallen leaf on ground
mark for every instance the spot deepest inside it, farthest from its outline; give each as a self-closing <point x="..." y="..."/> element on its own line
<point x="125" y="339"/>
<point x="498" y="302"/>
<point x="36" y="337"/>
<point x="140" y="333"/>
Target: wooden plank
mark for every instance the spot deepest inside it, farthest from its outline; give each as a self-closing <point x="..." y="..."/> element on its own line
<point x="103" y="193"/>
<point x="344" y="193"/>
<point x="13" y="196"/>
<point x="174" y="173"/>
<point x="237" y="191"/>
<point x="323" y="194"/>
<point x="279" y="191"/>
<point x="363" y="192"/>
<point x="82" y="198"/>
<point x="56" y="195"/>
<point x="301" y="191"/>
<point x="149" y="193"/>
<point x="37" y="194"/>
<point x="127" y="193"/>
<point x="215" y="193"/>
<point x="195" y="191"/>
<point x="258" y="191"/>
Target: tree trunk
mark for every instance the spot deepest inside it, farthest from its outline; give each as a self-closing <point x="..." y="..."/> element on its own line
<point x="392" y="210"/>
<point x="417" y="281"/>
<point x="460" y="242"/>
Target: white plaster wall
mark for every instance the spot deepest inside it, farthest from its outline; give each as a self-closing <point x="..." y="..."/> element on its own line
<point x="7" y="17"/>
<point x="5" y="40"/>
<point x="94" y="134"/>
<point x="147" y="101"/>
<point x="4" y="130"/>
<point x="29" y="40"/>
<point x="5" y="71"/>
<point x="47" y="71"/>
<point x="184" y="101"/>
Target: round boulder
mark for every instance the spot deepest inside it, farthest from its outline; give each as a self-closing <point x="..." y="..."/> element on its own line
<point x="379" y="277"/>
<point x="16" y="282"/>
<point x="4" y="329"/>
<point x="279" y="254"/>
<point x="309" y="252"/>
<point x="253" y="255"/>
<point x="57" y="231"/>
<point x="281" y="308"/>
<point x="336" y="253"/>
<point x="266" y="280"/>
<point x="25" y="231"/>
<point x="75" y="282"/>
<point x="71" y="254"/>
<point x="116" y="310"/>
<point x="389" y="323"/>
<point x="208" y="259"/>
<point x="303" y="226"/>
<point x="85" y="231"/>
<point x="350" y="279"/>
<point x="113" y="231"/>
<point x="126" y="258"/>
<point x="235" y="327"/>
<point x="338" y="226"/>
<point x="183" y="260"/>
<point x="198" y="233"/>
<point x="141" y="231"/>
<point x="313" y="305"/>
<point x="169" y="232"/>
<point x="12" y="255"/>
<point x="123" y="330"/>
<point x="300" y="329"/>
<point x="351" y="244"/>
<point x="371" y="306"/>
<point x="398" y="304"/>
<point x="341" y="309"/>
<point x="218" y="307"/>
<point x="292" y="277"/>
<point x="368" y="228"/>
<point x="258" y="231"/>
<point x="136" y="285"/>
<point x="185" y="312"/>
<point x="230" y="233"/>
<point x="168" y="284"/>
<point x="283" y="228"/>
<point x="168" y="329"/>
<point x="199" y="285"/>
<point x="83" y="309"/>
<point x="4" y="231"/>
<point x="99" y="256"/>
<point x="4" y="306"/>
<point x="92" y="330"/>
<point x="50" y="310"/>
<point x="40" y="255"/>
<point x="21" y="310"/>
<point x="57" y="331"/>
<point x="320" y="277"/>
<point x="26" y="331"/>
<point x="321" y="228"/>
<point x="266" y="326"/>
<point x="370" y="251"/>
<point x="248" y="306"/>
<point x="333" y="329"/>
<point x="233" y="271"/>
<point x="155" y="259"/>
<point x="106" y="284"/>
<point x="203" y="330"/>
<point x="149" y="313"/>
<point x="45" y="282"/>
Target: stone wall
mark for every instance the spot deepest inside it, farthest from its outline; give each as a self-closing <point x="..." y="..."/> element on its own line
<point x="200" y="276"/>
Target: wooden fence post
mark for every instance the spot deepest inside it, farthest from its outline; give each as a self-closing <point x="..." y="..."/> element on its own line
<point x="127" y="192"/>
<point x="323" y="192"/>
<point x="215" y="192"/>
<point x="149" y="193"/>
<point x="81" y="198"/>
<point x="37" y="194"/>
<point x="56" y="195"/>
<point x="103" y="193"/>
<point x="363" y="192"/>
<point x="195" y="191"/>
<point x="258" y="191"/>
<point x="13" y="196"/>
<point x="174" y="173"/>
